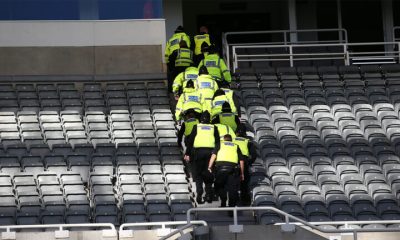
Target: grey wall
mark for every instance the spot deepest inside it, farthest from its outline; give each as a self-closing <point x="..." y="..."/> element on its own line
<point x="173" y="16"/>
<point x="98" y="60"/>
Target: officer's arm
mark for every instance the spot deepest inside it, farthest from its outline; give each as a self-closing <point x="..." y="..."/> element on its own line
<point x="180" y="134"/>
<point x="215" y="86"/>
<point x="236" y="102"/>
<point x="215" y="120"/>
<point x="237" y="120"/>
<point x="211" y="162"/>
<point x="225" y="71"/>
<point x="188" y="40"/>
<point x="190" y="140"/>
<point x="217" y="140"/>
<point x="178" y="109"/>
<point x="167" y="53"/>
<point x="177" y="84"/>
<point x="201" y="64"/>
<point x="172" y="58"/>
<point x="252" y="151"/>
<point x="241" y="162"/>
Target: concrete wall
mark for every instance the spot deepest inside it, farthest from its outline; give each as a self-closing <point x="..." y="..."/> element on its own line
<point x="173" y="16"/>
<point x="81" y="47"/>
<point x="99" y="60"/>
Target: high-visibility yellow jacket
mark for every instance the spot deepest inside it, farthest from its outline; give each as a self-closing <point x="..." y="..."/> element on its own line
<point x="190" y="73"/>
<point x="173" y="43"/>
<point x="216" y="67"/>
<point x="199" y="40"/>
<point x="190" y="99"/>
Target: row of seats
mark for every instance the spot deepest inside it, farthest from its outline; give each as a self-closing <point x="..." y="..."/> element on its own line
<point x="90" y="162"/>
<point x="363" y="72"/>
<point x="90" y="97"/>
<point x="94" y="127"/>
<point x="49" y="198"/>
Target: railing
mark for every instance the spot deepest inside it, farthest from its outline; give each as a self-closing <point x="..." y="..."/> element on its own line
<point x="348" y="53"/>
<point x="283" y="38"/>
<point x="287" y="54"/>
<point x="389" y="54"/>
<point x="163" y="232"/>
<point x="62" y="231"/>
<point x="288" y="226"/>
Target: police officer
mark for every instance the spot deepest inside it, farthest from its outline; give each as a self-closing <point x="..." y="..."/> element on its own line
<point x="199" y="39"/>
<point x="190" y="99"/>
<point x="216" y="66"/>
<point x="229" y="170"/>
<point x="218" y="100"/>
<point x="227" y="117"/>
<point x="171" y="46"/>
<point x="180" y="59"/>
<point x="191" y="119"/>
<point x="224" y="129"/>
<point x="190" y="73"/>
<point x="173" y="42"/>
<point x="249" y="153"/>
<point x="206" y="85"/>
<point x="200" y="144"/>
<point x="229" y="93"/>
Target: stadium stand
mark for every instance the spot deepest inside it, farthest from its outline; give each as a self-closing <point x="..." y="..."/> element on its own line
<point x="328" y="148"/>
<point x="327" y="141"/>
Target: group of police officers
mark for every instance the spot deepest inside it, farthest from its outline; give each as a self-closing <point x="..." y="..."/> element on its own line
<point x="217" y="149"/>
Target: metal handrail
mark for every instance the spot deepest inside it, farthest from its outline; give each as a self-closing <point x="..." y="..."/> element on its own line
<point x="287" y="218"/>
<point x="162" y="224"/>
<point x="337" y="223"/>
<point x="344" y="54"/>
<point x="342" y="34"/>
<point x="59" y="226"/>
<point x="179" y="230"/>
<point x="290" y="57"/>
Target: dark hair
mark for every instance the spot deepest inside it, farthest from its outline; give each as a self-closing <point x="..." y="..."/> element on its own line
<point x="205" y="117"/>
<point x="204" y="47"/>
<point x="219" y="92"/>
<point x="190" y="113"/>
<point x="228" y="137"/>
<point x="189" y="84"/>
<point x="203" y="30"/>
<point x="203" y="70"/>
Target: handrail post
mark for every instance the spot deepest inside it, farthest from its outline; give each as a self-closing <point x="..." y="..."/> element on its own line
<point x="291" y="55"/>
<point x="398" y="52"/>
<point x="235" y="228"/>
<point x="347" y="55"/>
<point x="285" y="38"/>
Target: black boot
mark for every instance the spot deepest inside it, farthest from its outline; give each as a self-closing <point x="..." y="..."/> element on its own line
<point x="209" y="198"/>
<point x="199" y="199"/>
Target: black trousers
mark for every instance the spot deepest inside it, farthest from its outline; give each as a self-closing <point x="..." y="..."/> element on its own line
<point x="199" y="164"/>
<point x="227" y="185"/>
